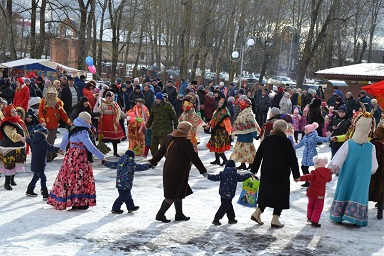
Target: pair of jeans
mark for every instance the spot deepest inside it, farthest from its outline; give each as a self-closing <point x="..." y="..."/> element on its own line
<point x="124" y="197"/>
<point x="39" y="175"/>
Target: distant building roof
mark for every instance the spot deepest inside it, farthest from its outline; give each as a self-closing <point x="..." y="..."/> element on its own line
<point x="362" y="72"/>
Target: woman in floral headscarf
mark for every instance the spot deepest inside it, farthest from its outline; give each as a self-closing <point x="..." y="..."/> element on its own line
<point x="189" y="114"/>
<point x="12" y="145"/>
<point x="220" y="125"/>
<point x="109" y="125"/>
<point x="137" y="118"/>
<point x="246" y="128"/>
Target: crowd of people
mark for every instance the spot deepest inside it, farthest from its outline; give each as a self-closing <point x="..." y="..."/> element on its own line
<point x="166" y="121"/>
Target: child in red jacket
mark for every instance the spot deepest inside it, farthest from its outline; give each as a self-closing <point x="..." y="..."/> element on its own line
<point x="316" y="191"/>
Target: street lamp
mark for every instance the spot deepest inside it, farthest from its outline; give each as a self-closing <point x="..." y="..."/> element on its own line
<point x="236" y="56"/>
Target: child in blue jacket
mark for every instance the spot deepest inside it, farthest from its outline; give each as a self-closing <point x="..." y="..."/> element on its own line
<point x="126" y="167"/>
<point x="39" y="148"/>
<point x="228" y="184"/>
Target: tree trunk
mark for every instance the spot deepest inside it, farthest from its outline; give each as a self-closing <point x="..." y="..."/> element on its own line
<point x="33" y="29"/>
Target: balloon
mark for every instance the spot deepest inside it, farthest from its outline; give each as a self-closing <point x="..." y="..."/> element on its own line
<point x="92" y="69"/>
<point x="89" y="61"/>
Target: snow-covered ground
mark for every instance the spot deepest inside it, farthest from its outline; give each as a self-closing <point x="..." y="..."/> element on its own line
<point x="28" y="226"/>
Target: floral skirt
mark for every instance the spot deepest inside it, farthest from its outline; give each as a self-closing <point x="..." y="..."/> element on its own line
<point x="220" y="141"/>
<point x="243" y="152"/>
<point x="136" y="140"/>
<point x="12" y="161"/>
<point x="74" y="184"/>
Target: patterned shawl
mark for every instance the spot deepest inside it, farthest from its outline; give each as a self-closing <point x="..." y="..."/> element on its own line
<point x="218" y="117"/>
<point x="245" y="122"/>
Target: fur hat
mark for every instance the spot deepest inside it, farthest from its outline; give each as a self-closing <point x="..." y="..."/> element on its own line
<point x="188" y="98"/>
<point x="230" y="163"/>
<point x="159" y="96"/>
<point x="27" y="80"/>
<point x="311" y="127"/>
<point x="210" y="94"/>
<point x="280" y="125"/>
<point x="242" y="97"/>
<point x="275" y="111"/>
<point x="320" y="161"/>
<point x="130" y="153"/>
<point x="85" y="116"/>
<point x="183" y="129"/>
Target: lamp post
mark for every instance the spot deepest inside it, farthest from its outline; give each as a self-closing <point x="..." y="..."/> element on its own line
<point x="236" y="56"/>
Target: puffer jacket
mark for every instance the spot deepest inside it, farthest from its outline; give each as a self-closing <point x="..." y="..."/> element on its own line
<point x="309" y="142"/>
<point x="317" y="180"/>
<point x="126" y="168"/>
<point x="228" y="181"/>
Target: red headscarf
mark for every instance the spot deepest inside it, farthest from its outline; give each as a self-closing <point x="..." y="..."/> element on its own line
<point x="9" y="118"/>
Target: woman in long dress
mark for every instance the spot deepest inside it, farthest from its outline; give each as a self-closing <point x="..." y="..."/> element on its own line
<point x="109" y="124"/>
<point x="137" y="118"/>
<point x="75" y="184"/>
<point x="355" y="162"/>
<point x="221" y="127"/>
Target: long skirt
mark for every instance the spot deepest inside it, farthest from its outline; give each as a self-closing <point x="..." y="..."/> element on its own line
<point x="12" y="161"/>
<point x="243" y="152"/>
<point x="136" y="140"/>
<point x="74" y="184"/>
<point x="220" y="141"/>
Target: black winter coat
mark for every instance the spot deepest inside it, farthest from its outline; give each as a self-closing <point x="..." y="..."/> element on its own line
<point x="264" y="104"/>
<point x="343" y="125"/>
<point x="66" y="97"/>
<point x="149" y="99"/>
<point x="172" y="93"/>
<point x="276" y="100"/>
<point x="277" y="159"/>
<point x="351" y="105"/>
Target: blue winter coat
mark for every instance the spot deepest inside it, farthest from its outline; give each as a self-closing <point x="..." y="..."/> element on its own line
<point x="228" y="181"/>
<point x="126" y="168"/>
<point x="39" y="148"/>
<point x="309" y="142"/>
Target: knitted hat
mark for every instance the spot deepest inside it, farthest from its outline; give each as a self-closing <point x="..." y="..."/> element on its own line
<point x="242" y="97"/>
<point x="85" y="116"/>
<point x="241" y="91"/>
<point x="41" y="129"/>
<point x="27" y="80"/>
<point x="311" y="127"/>
<point x="130" y="153"/>
<point x="230" y="163"/>
<point x="47" y="82"/>
<point x="275" y="111"/>
<point x="159" y="96"/>
<point x="124" y="85"/>
<point x="118" y="80"/>
<point x="342" y="108"/>
<point x="183" y="129"/>
<point x="200" y="88"/>
<point x="137" y="87"/>
<point x="210" y="94"/>
<point x="20" y="80"/>
<point x="363" y="92"/>
<point x="231" y="99"/>
<point x="320" y="161"/>
<point x="280" y="90"/>
<point x="165" y="95"/>
<point x="96" y="90"/>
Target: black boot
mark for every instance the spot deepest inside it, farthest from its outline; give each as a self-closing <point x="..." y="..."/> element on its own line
<point x="13" y="183"/>
<point x="30" y="191"/>
<point x="7" y="183"/>
<point x="44" y="192"/>
<point x="179" y="211"/>
<point x="222" y="155"/>
<point x="115" y="150"/>
<point x="217" y="159"/>
<point x="160" y="216"/>
<point x="380" y="206"/>
<point x="242" y="167"/>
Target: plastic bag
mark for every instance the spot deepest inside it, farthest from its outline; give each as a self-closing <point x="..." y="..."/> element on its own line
<point x="248" y="196"/>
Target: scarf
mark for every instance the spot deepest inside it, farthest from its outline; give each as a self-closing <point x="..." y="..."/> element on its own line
<point x="245" y="122"/>
<point x="218" y="117"/>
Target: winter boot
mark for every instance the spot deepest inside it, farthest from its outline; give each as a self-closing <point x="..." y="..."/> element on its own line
<point x="179" y="211"/>
<point x="30" y="191"/>
<point x="216" y="222"/>
<point x="256" y="216"/>
<point x="222" y="155"/>
<point x="44" y="192"/>
<point x="7" y="183"/>
<point x="217" y="159"/>
<point x="146" y="150"/>
<point x="242" y="166"/>
<point x="13" y="183"/>
<point x="315" y="224"/>
<point x="275" y="223"/>
<point x="380" y="206"/>
<point x="160" y="216"/>
<point x="305" y="185"/>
